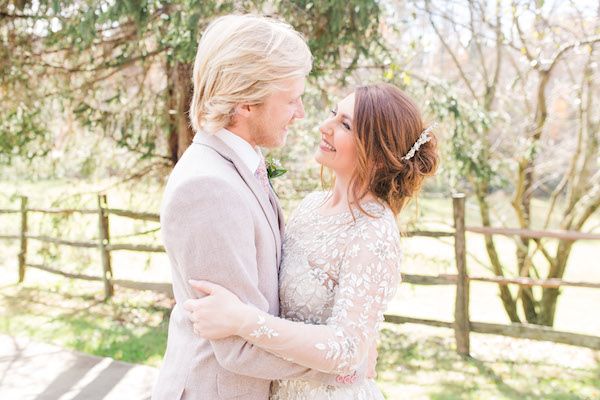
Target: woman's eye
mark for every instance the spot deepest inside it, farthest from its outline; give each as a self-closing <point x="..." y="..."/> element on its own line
<point x="346" y="125"/>
<point x="333" y="112"/>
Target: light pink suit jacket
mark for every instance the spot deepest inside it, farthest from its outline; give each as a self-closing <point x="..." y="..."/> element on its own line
<point x="218" y="224"/>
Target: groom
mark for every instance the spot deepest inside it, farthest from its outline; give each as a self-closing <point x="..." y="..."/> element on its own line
<point x="220" y="219"/>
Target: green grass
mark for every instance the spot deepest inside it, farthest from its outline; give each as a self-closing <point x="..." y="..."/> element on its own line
<point x="414" y="362"/>
<point x="420" y="363"/>
<point x="131" y="327"/>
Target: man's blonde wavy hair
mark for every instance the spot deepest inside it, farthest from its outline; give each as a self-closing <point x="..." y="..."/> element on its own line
<point x="241" y="59"/>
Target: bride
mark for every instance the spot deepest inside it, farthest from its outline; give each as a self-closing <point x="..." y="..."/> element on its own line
<point x="341" y="250"/>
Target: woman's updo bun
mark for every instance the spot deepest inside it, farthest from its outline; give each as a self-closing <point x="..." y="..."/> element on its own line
<point x="387" y="125"/>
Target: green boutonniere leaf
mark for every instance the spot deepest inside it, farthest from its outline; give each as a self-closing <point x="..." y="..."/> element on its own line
<point x="274" y="168"/>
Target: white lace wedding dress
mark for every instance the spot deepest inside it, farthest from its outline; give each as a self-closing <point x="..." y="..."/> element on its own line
<point x="337" y="276"/>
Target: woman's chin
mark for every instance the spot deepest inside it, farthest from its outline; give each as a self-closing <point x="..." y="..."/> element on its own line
<point x="319" y="157"/>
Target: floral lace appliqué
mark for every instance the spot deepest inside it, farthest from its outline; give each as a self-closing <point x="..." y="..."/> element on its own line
<point x="263" y="329"/>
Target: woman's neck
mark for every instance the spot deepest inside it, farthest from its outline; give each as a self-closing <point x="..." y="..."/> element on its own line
<point x="341" y="196"/>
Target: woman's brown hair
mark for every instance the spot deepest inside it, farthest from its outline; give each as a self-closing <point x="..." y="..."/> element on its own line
<point x="386" y="125"/>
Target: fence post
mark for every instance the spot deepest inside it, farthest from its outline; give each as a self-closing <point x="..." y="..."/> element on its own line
<point x="23" y="251"/>
<point x="461" y="307"/>
<point x="104" y="240"/>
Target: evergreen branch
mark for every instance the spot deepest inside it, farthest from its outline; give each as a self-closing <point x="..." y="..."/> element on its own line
<point x="100" y="67"/>
<point x="4" y="14"/>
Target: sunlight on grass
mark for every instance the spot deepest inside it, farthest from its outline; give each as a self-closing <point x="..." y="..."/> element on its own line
<point x="419" y="362"/>
<point x="415" y="362"/>
<point x="130" y="327"/>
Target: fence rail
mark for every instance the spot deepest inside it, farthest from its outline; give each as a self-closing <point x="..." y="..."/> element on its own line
<point x="534" y="234"/>
<point x="520" y="331"/>
<point x="462" y="325"/>
<point x="102" y="243"/>
<point x="451" y="279"/>
<point x="160" y="287"/>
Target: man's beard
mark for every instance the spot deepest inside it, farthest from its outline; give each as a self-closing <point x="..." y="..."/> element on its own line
<point x="259" y="129"/>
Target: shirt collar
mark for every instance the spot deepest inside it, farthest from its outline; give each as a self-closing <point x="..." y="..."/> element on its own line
<point x="249" y="155"/>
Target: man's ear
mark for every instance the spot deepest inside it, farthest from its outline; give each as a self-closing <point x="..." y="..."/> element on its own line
<point x="242" y="110"/>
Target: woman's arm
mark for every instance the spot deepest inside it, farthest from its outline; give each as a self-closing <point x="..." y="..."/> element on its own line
<point x="368" y="278"/>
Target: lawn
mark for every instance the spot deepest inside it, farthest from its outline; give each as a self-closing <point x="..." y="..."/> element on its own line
<point x="415" y="361"/>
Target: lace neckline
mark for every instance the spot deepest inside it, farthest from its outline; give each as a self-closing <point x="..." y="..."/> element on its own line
<point x="373" y="207"/>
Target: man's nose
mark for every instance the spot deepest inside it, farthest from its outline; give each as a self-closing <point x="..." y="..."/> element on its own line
<point x="299" y="114"/>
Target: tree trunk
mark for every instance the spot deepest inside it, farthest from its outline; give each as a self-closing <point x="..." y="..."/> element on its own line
<point x="579" y="183"/>
<point x="526" y="293"/>
<point x="524" y="261"/>
<point x="180" y="91"/>
<point x="549" y="295"/>
<point x="522" y="201"/>
<point x="508" y="302"/>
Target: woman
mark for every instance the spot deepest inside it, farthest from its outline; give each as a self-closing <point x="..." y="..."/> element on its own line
<point x="341" y="251"/>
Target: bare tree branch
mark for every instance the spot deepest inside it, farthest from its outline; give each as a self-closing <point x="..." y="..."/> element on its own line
<point x="451" y="52"/>
<point x="490" y="93"/>
<point x="592" y="40"/>
<point x="524" y="49"/>
<point x="484" y="70"/>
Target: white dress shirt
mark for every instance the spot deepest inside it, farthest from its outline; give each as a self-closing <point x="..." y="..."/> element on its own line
<point x="249" y="155"/>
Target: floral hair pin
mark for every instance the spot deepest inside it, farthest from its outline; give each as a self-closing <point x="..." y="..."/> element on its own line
<point x="423" y="138"/>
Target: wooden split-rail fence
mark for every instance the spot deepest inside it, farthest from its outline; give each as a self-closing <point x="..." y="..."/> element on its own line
<point x="462" y="324"/>
<point x="103" y="244"/>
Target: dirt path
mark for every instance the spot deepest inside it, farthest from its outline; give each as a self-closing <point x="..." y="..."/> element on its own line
<point x="36" y="371"/>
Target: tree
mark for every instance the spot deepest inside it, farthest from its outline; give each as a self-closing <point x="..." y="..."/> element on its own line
<point x="123" y="68"/>
<point x="509" y="61"/>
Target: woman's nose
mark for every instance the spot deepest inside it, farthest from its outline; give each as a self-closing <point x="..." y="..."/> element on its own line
<point x="325" y="129"/>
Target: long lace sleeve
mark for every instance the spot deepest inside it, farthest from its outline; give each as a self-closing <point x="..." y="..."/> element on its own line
<point x="368" y="277"/>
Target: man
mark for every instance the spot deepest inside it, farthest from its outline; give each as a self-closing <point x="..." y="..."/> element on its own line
<point x="220" y="219"/>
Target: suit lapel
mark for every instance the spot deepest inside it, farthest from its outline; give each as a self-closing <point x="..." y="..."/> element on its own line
<point x="272" y="213"/>
<point x="277" y="209"/>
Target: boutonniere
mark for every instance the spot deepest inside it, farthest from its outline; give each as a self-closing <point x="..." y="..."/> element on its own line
<point x="274" y="168"/>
